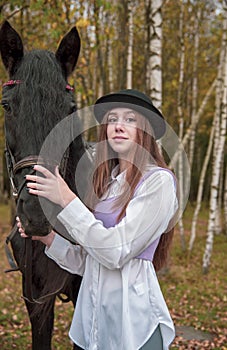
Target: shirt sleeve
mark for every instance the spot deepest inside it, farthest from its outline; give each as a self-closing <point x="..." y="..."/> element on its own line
<point x="68" y="256"/>
<point x="147" y="217"/>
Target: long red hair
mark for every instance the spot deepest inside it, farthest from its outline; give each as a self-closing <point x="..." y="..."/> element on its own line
<point x="106" y="159"/>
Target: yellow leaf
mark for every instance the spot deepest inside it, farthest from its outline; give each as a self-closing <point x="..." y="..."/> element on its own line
<point x="83" y="22"/>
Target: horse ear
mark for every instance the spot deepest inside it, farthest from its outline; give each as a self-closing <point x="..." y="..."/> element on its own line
<point x="11" y="47"/>
<point x="68" y="51"/>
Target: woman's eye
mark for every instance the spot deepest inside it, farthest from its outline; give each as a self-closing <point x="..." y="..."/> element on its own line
<point x="112" y="120"/>
<point x="6" y="106"/>
<point x="131" y="120"/>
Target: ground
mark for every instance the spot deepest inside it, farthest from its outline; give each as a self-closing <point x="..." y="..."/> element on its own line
<point x="196" y="302"/>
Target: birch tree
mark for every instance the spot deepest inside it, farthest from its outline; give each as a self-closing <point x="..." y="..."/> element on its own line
<point x="130" y="45"/>
<point x="194" y="83"/>
<point x="122" y="28"/>
<point x="200" y="190"/>
<point x="220" y="146"/>
<point x="110" y="63"/>
<point x="101" y="78"/>
<point x="155" y="52"/>
<point x="225" y="201"/>
<point x="181" y="119"/>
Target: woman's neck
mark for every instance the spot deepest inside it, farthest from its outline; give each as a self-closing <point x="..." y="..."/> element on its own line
<point x="123" y="165"/>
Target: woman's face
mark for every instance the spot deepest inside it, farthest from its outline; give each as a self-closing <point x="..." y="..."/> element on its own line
<point x="122" y="130"/>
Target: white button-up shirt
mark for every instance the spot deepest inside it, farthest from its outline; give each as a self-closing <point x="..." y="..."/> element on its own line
<point x="120" y="303"/>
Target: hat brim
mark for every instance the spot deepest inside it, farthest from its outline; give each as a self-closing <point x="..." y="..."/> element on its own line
<point x="108" y="102"/>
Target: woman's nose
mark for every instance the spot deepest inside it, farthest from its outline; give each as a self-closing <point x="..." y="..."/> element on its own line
<point x="119" y="125"/>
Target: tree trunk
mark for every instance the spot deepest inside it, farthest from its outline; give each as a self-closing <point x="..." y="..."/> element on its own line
<point x="181" y="122"/>
<point x="200" y="190"/>
<point x="155" y="53"/>
<point x="194" y="84"/>
<point x="101" y="78"/>
<point x="220" y="146"/>
<point x="122" y="43"/>
<point x="130" y="45"/>
<point x="225" y="201"/>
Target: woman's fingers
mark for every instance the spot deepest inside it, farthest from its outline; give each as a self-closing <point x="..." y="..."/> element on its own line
<point x="20" y="228"/>
<point x="35" y="188"/>
<point x="41" y="186"/>
<point x="36" y="178"/>
<point x="38" y="192"/>
<point x="36" y="185"/>
<point x="47" y="175"/>
<point x="18" y="221"/>
<point x="51" y="186"/>
<point x="43" y="170"/>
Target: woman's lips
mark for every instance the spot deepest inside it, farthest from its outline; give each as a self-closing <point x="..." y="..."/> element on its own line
<point x="119" y="138"/>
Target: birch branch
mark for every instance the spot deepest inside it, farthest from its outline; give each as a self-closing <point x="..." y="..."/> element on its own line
<point x="193" y="125"/>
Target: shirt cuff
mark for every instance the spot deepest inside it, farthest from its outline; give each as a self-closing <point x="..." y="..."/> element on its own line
<point x="75" y="213"/>
<point x="56" y="249"/>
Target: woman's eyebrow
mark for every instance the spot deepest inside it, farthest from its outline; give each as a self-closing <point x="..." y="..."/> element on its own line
<point x="130" y="112"/>
<point x="112" y="113"/>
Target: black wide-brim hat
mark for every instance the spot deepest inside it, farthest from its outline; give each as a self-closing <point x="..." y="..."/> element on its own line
<point x="135" y="100"/>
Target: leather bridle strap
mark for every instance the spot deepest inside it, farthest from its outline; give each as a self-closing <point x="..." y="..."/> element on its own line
<point x="26" y="162"/>
<point x="8" y="252"/>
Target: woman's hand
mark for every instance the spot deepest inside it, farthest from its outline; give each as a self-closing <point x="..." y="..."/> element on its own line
<point x="51" y="186"/>
<point x="47" y="240"/>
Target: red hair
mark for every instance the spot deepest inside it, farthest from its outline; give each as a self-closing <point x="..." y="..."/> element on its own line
<point x="146" y="151"/>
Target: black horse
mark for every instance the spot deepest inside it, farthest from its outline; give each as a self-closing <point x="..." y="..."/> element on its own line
<point x="35" y="99"/>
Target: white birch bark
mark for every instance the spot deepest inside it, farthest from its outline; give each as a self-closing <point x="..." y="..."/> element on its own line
<point x="130" y="45"/>
<point x="200" y="190"/>
<point x="155" y="53"/>
<point x="218" y="215"/>
<point x="181" y="122"/>
<point x="194" y="85"/>
<point x="110" y="64"/>
<point x="219" y="149"/>
<point x="225" y="201"/>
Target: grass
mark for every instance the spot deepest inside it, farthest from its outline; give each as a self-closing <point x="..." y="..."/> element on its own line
<point x="194" y="299"/>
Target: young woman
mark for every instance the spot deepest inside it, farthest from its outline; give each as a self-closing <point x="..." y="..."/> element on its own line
<point x="122" y="232"/>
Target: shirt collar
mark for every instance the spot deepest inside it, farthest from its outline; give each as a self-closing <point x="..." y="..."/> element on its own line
<point x="115" y="176"/>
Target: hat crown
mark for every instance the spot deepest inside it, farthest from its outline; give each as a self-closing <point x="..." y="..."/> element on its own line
<point x="135" y="93"/>
<point x="136" y="100"/>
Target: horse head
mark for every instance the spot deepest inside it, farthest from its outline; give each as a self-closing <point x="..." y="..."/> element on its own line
<point x="35" y="99"/>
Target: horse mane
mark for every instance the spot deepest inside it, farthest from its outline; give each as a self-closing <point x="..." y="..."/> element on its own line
<point x="42" y="94"/>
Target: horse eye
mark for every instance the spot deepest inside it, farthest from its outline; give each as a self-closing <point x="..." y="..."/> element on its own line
<point x="6" y="106"/>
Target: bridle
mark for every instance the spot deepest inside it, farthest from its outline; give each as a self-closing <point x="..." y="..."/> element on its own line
<point x="13" y="168"/>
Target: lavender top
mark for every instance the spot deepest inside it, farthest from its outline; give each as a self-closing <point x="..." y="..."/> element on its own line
<point x="106" y="212"/>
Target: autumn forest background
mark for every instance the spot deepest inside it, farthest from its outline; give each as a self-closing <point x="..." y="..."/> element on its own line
<point x="176" y="52"/>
